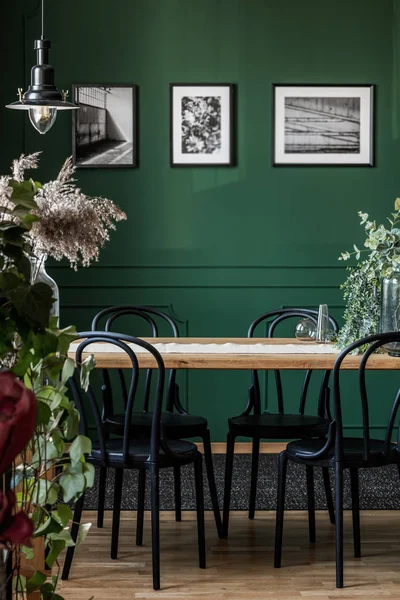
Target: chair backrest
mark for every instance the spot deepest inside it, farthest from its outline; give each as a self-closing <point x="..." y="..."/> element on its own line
<point x="130" y="309"/>
<point x="374" y="342"/>
<point x="150" y="315"/>
<point x="271" y="320"/>
<point x="96" y="408"/>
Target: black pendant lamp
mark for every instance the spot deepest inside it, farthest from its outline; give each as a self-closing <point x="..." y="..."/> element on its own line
<point x="42" y="99"/>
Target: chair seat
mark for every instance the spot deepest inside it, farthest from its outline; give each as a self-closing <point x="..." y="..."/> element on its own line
<point x="353" y="449"/>
<point x="139" y="452"/>
<point x="178" y="426"/>
<point x="277" y="426"/>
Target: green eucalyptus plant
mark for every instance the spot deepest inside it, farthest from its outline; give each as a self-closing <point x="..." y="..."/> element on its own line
<point x="362" y="287"/>
<point x="53" y="470"/>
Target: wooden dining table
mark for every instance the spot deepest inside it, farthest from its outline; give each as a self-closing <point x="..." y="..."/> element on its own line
<point x="277" y="353"/>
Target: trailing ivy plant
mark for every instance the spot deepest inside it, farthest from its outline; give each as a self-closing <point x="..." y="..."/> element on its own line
<point x="52" y="470"/>
<point x="362" y="291"/>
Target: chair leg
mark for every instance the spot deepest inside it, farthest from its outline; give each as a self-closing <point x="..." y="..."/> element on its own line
<point x="328" y="494"/>
<point x="254" y="473"/>
<point x="198" y="474"/>
<point x="280" y="507"/>
<point x="211" y="481"/>
<point x="230" y="449"/>
<point x="355" y="506"/>
<point x="9" y="576"/>
<point x="102" y="497"/>
<point x="74" y="535"/>
<point x="140" y="506"/>
<point x="311" y="503"/>
<point x="155" y="523"/>
<point x="339" y="524"/>
<point x="119" y="478"/>
<point x="177" y="489"/>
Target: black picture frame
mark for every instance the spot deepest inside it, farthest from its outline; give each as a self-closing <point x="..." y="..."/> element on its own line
<point x="230" y="152"/>
<point x="366" y="139"/>
<point x="131" y="130"/>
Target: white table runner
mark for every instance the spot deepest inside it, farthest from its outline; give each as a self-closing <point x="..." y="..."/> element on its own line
<point x="229" y="348"/>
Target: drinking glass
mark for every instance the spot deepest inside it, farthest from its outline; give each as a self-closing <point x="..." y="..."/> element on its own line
<point x="323" y="325"/>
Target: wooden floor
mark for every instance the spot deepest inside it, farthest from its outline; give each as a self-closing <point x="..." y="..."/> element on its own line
<point x="239" y="568"/>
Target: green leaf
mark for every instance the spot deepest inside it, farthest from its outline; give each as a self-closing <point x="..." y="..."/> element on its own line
<point x="11" y="251"/>
<point x="6" y="225"/>
<point x="68" y="370"/>
<point x="14" y="235"/>
<point x="80" y="446"/>
<point x="52" y="368"/>
<point x="19" y="584"/>
<point x="72" y="483"/>
<point x="48" y="450"/>
<point x="34" y="303"/>
<point x="56" y="547"/>
<point x="64" y="535"/>
<point x="25" y="358"/>
<point x="53" y="324"/>
<point x="45" y="392"/>
<point x="63" y="514"/>
<point x="65" y="338"/>
<point x="43" y="413"/>
<point x="45" y="343"/>
<point x="24" y="266"/>
<point x="23" y="194"/>
<point x="88" y="471"/>
<point x="28" y="552"/>
<point x="87" y="366"/>
<point x="83" y="531"/>
<point x="46" y="492"/>
<point x="35" y="582"/>
<point x="56" y="401"/>
<point x="71" y="427"/>
<point x="47" y="592"/>
<point x="9" y="281"/>
<point x="50" y="525"/>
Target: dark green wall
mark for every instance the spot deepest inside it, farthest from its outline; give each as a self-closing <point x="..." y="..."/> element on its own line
<point x="217" y="246"/>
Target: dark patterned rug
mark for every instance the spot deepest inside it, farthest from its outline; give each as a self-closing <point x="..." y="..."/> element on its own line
<point x="379" y="488"/>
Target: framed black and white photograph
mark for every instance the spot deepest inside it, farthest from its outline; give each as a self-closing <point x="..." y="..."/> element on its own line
<point x="323" y="125"/>
<point x="104" y="129"/>
<point x="201" y="124"/>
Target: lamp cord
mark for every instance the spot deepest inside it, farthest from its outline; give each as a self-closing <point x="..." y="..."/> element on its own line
<point x="42" y="20"/>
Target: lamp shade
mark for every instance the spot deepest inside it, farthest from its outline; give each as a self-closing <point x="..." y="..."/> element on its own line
<point x="42" y="98"/>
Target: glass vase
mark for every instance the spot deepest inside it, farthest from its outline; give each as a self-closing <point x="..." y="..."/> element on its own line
<point x="390" y="310"/>
<point x="39" y="274"/>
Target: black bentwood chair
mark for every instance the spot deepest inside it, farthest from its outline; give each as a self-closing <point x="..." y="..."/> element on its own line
<point x="178" y="422"/>
<point x="127" y="452"/>
<point x="341" y="453"/>
<point x="259" y="425"/>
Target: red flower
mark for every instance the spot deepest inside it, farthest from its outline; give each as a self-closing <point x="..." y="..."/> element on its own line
<point x="17" y="418"/>
<point x="15" y="529"/>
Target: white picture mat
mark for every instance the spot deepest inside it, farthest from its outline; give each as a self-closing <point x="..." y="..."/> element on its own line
<point x="366" y="132"/>
<point x="223" y="156"/>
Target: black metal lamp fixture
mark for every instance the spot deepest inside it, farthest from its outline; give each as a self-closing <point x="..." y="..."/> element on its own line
<point x="42" y="99"/>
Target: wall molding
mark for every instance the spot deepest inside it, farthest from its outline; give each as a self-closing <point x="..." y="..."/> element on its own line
<point x="191" y="267"/>
<point x="249" y="278"/>
<point x="186" y="286"/>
